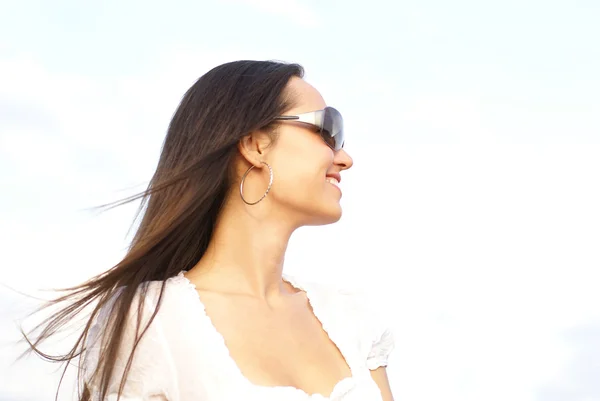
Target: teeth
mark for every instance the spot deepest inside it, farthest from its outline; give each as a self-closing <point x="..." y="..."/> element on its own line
<point x="333" y="181"/>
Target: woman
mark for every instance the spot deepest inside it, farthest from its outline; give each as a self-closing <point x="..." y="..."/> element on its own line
<point x="199" y="308"/>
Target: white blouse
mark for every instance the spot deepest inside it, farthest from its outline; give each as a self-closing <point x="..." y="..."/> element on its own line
<point x="170" y="364"/>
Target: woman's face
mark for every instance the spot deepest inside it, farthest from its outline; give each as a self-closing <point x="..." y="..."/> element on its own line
<point x="305" y="169"/>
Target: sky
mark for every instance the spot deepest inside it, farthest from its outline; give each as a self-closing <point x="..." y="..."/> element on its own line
<point x="470" y="214"/>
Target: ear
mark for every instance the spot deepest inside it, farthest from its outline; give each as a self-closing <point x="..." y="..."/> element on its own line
<point x="253" y="147"/>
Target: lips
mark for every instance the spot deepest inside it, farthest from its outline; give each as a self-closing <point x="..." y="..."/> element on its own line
<point x="334" y="177"/>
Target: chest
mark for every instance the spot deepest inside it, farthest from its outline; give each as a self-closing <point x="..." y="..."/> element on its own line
<point x="285" y="346"/>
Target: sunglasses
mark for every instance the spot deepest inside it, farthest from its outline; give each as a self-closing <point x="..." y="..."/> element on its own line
<point x="328" y="122"/>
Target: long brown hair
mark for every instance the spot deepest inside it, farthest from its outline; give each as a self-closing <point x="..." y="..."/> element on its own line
<point x="179" y="208"/>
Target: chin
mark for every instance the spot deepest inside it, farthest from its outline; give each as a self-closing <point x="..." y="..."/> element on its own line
<point x="336" y="215"/>
<point x="325" y="216"/>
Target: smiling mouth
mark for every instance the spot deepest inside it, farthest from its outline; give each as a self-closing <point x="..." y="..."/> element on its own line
<point x="333" y="181"/>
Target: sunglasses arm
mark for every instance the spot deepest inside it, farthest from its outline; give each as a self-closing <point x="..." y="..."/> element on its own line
<point x="313" y="118"/>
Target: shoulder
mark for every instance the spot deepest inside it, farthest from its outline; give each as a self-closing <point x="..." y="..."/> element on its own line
<point x="145" y="312"/>
<point x="150" y="298"/>
<point x="328" y="290"/>
<point x="355" y="314"/>
<point x="141" y="354"/>
<point x="168" y="294"/>
<point x="352" y="303"/>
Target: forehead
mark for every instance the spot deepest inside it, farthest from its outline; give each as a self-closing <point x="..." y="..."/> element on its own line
<point x="304" y="96"/>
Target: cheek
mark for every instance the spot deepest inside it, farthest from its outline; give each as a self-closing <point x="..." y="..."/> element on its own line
<point x="300" y="173"/>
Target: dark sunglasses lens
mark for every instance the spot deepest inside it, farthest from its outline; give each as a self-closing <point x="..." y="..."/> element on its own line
<point x="333" y="128"/>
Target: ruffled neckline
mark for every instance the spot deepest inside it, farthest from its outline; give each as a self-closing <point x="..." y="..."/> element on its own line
<point x="341" y="388"/>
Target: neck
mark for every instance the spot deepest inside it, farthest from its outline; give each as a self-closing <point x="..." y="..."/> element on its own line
<point x="246" y="252"/>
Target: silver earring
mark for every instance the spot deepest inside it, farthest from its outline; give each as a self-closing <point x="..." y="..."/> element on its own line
<point x="268" y="188"/>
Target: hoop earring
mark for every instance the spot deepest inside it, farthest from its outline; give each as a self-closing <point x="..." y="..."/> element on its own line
<point x="268" y="188"/>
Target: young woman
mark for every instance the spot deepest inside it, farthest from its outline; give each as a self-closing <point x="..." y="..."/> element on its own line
<point x="199" y="309"/>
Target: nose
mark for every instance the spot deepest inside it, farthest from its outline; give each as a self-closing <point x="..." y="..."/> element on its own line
<point x="343" y="159"/>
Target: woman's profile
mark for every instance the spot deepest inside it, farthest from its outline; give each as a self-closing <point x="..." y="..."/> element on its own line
<point x="199" y="308"/>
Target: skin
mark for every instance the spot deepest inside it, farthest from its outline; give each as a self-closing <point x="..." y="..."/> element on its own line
<point x="265" y="321"/>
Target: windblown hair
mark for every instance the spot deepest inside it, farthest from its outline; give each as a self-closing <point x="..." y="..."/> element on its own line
<point x="178" y="209"/>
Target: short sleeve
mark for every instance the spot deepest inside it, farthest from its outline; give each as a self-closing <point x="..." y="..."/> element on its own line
<point x="151" y="376"/>
<point x="374" y="326"/>
<point x="381" y="348"/>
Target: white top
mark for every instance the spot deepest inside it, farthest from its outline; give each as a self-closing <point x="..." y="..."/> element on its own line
<point x="171" y="364"/>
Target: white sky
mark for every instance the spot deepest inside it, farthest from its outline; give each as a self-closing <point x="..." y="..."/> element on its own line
<point x="471" y="212"/>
